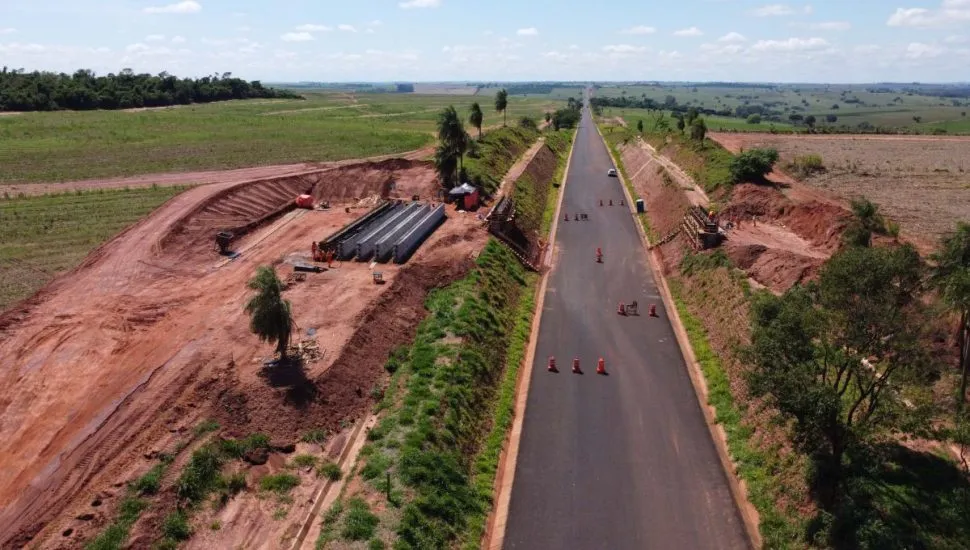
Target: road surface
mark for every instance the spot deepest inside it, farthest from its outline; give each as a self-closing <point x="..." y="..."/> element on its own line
<point x="625" y="460"/>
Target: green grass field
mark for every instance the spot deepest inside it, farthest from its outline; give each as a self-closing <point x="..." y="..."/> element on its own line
<point x="876" y="108"/>
<point x="67" y="146"/>
<point x="714" y="123"/>
<point x="41" y="237"/>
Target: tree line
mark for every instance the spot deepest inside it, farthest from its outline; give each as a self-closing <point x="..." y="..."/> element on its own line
<point x="84" y="90"/>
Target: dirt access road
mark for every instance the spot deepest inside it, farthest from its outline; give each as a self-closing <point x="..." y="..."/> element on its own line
<point x="618" y="461"/>
<point x="115" y="360"/>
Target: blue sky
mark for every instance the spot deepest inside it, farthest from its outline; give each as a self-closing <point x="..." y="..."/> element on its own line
<point x="381" y="40"/>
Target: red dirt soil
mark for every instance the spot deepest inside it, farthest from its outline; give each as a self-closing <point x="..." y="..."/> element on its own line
<point x="794" y="234"/>
<point x="148" y="336"/>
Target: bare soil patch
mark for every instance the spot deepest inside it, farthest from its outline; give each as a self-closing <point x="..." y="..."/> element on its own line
<point x="920" y="182"/>
<point x="148" y="337"/>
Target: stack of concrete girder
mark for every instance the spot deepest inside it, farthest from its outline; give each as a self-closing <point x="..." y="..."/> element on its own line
<point x="410" y="240"/>
<point x="384" y="246"/>
<point x="365" y="245"/>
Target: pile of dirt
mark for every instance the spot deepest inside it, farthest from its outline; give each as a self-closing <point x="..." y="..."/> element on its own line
<point x="818" y="222"/>
<point x="774" y="268"/>
<point x="395" y="178"/>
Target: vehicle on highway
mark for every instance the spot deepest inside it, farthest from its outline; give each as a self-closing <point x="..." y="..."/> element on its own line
<point x="611" y="172"/>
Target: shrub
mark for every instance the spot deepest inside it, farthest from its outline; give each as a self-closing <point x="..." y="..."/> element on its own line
<point x="234" y="483"/>
<point x="330" y="471"/>
<point x="753" y="165"/>
<point x="754" y="119"/>
<point x="149" y="483"/>
<point x="360" y="523"/>
<point x="200" y="475"/>
<point x="315" y="435"/>
<point x="806" y="165"/>
<point x="528" y="123"/>
<point x="176" y="526"/>
<point x="304" y="461"/>
<point x="281" y="483"/>
<point x="205" y="427"/>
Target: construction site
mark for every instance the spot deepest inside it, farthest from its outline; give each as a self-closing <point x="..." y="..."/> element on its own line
<point x="121" y="358"/>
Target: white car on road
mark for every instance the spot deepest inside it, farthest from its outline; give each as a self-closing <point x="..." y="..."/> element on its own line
<point x="611" y="172"/>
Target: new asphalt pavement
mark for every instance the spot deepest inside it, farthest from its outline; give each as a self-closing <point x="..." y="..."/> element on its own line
<point x="623" y="461"/>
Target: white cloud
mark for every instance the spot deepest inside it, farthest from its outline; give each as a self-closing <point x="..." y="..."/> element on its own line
<point x="313" y="28"/>
<point x="955" y="39"/>
<point x="950" y="12"/>
<point x="692" y="31"/>
<point x="178" y="40"/>
<point x="830" y="26"/>
<point x="8" y="30"/>
<point x="188" y="6"/>
<point x="918" y="50"/>
<point x="776" y="10"/>
<point x="154" y="38"/>
<point x="410" y="4"/>
<point x="529" y="31"/>
<point x="624" y="48"/>
<point x="790" y="45"/>
<point x="347" y="28"/>
<point x="137" y="47"/>
<point x="487" y="33"/>
<point x="296" y="37"/>
<point x="732" y="37"/>
<point x="375" y="23"/>
<point x="244" y="28"/>
<point x="867" y="49"/>
<point x="639" y="29"/>
<point x="573" y="47"/>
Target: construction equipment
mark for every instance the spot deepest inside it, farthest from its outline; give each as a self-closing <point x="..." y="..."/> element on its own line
<point x="378" y="277"/>
<point x="628" y="309"/>
<point x="223" y="239"/>
<point x="701" y="228"/>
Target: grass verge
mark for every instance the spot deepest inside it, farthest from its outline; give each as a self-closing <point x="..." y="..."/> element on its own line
<point x="490" y="158"/>
<point x="560" y="142"/>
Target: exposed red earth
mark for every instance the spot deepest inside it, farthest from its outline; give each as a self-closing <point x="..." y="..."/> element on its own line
<point x="113" y="362"/>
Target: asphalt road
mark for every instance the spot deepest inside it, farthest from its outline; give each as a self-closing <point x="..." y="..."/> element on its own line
<point x="624" y="460"/>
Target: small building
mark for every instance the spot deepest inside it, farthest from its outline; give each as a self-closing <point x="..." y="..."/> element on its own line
<point x="465" y="196"/>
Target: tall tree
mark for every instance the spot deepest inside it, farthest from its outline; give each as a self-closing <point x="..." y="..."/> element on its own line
<point x="502" y="103"/>
<point x="698" y="130"/>
<point x="810" y="121"/>
<point x="951" y="276"/>
<point x="269" y="314"/>
<point x="866" y="221"/>
<point x="452" y="144"/>
<point x="835" y="357"/>
<point x="640" y="126"/>
<point x="476" y="117"/>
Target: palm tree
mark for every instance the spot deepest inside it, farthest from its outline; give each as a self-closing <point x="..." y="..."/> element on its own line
<point x="476" y="117"/>
<point x="452" y="143"/>
<point x="951" y="276"/>
<point x="501" y="102"/>
<point x="269" y="314"/>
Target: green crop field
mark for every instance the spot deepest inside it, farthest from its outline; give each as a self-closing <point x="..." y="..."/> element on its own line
<point x="43" y="236"/>
<point x="68" y="146"/>
<point x="897" y="109"/>
<point x="714" y="123"/>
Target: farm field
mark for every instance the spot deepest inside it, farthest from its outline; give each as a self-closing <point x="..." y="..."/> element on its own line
<point x="714" y="123"/>
<point x="855" y="104"/>
<point x="920" y="182"/>
<point x="66" y="146"/>
<point x="40" y="237"/>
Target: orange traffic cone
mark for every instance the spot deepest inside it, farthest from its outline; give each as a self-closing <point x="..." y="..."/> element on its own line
<point x="611" y="202"/>
<point x="599" y="256"/>
<point x="601" y="367"/>
<point x="566" y="216"/>
<point x="653" y="310"/>
<point x="620" y="309"/>
<point x="601" y="202"/>
<point x="552" y="364"/>
<point x="576" y="368"/>
<point x="621" y="202"/>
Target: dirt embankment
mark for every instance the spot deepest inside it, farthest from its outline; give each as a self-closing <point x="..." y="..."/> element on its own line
<point x="110" y="363"/>
<point x="779" y="239"/>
